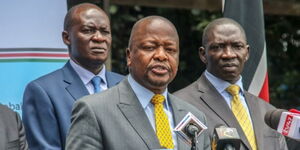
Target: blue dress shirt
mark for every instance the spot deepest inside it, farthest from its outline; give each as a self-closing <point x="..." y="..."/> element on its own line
<point x="144" y="96"/>
<point x="221" y="86"/>
<point x="86" y="77"/>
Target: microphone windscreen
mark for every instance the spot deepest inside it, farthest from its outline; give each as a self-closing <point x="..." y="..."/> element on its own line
<point x="272" y="117"/>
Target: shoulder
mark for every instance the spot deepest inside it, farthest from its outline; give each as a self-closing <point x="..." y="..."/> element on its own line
<point x="49" y="78"/>
<point x="101" y="99"/>
<point x="188" y="89"/>
<point x="7" y="114"/>
<point x="250" y="96"/>
<point x="182" y="103"/>
<point x="262" y="104"/>
<point x="4" y="109"/>
<point x="114" y="75"/>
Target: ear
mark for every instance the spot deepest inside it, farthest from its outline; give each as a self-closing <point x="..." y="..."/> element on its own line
<point x="248" y="53"/>
<point x="202" y="54"/>
<point x="128" y="57"/>
<point x="66" y="38"/>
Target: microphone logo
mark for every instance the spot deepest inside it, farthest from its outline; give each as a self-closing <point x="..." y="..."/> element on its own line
<point x="287" y="125"/>
<point x="229" y="133"/>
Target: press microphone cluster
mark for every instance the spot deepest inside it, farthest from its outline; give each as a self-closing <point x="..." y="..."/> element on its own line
<point x="285" y="122"/>
<point x="225" y="138"/>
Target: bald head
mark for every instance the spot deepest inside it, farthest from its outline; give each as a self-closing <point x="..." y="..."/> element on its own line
<point x="75" y="10"/>
<point x="149" y="22"/>
<point x="221" y="21"/>
<point x="153" y="53"/>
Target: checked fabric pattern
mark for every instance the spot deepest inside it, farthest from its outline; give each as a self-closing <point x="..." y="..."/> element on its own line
<point x="163" y="131"/>
<point x="241" y="115"/>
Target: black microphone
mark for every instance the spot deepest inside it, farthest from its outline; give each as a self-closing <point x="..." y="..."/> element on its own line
<point x="192" y="131"/>
<point x="285" y="122"/>
<point x="225" y="138"/>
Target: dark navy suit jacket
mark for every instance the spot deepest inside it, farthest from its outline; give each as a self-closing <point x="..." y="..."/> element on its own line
<point x="47" y="106"/>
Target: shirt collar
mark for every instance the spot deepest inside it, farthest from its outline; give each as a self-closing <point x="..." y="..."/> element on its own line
<point x="85" y="75"/>
<point x="220" y="84"/>
<point x="143" y="94"/>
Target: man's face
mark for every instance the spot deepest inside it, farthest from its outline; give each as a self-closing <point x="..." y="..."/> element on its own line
<point x="153" y="55"/>
<point x="89" y="38"/>
<point x="225" y="53"/>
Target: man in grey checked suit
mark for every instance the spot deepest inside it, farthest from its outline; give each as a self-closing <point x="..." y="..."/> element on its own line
<point x="224" y="51"/>
<point x="121" y="118"/>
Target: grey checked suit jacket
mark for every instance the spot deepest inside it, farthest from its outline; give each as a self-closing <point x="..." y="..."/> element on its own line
<point x="115" y="120"/>
<point x="12" y="133"/>
<point x="204" y="96"/>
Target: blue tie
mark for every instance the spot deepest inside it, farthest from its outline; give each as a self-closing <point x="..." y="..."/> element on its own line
<point x="96" y="83"/>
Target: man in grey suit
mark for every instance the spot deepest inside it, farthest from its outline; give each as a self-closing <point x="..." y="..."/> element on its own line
<point x="12" y="132"/>
<point x="48" y="101"/>
<point x="123" y="117"/>
<point x="224" y="51"/>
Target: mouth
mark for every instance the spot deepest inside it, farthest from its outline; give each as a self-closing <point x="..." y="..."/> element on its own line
<point x="98" y="50"/>
<point x="229" y="67"/>
<point x="159" y="69"/>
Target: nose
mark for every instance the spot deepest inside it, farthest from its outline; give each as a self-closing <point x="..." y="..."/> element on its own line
<point x="228" y="52"/>
<point x="160" y="54"/>
<point x="98" y="37"/>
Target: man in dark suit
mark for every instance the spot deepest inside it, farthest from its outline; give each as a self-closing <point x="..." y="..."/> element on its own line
<point x="48" y="101"/>
<point x="12" y="133"/>
<point x="224" y="51"/>
<point x="126" y="116"/>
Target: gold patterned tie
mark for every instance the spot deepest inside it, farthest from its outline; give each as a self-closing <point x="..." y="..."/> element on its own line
<point x="162" y="125"/>
<point x="241" y="115"/>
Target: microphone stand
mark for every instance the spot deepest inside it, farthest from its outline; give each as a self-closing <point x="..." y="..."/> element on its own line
<point x="194" y="142"/>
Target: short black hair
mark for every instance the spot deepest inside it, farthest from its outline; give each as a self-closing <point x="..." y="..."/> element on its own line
<point x="217" y="22"/>
<point x="68" y="21"/>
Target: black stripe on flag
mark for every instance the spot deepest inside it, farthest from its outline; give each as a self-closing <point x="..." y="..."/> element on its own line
<point x="249" y="13"/>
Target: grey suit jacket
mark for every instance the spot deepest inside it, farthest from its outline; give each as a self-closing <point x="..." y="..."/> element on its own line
<point x="12" y="133"/>
<point x="204" y="96"/>
<point x="47" y="106"/>
<point x="115" y="120"/>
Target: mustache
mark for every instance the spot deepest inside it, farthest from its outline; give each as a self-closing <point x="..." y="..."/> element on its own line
<point x="229" y="63"/>
<point x="159" y="65"/>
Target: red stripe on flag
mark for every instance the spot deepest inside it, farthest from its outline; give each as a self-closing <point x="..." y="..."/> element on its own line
<point x="33" y="55"/>
<point x="264" y="92"/>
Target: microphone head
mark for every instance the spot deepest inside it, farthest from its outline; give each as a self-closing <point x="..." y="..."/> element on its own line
<point x="272" y="117"/>
<point x="225" y="136"/>
<point x="191" y="130"/>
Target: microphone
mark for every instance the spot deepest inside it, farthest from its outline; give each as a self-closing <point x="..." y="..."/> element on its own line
<point x="286" y="123"/>
<point x="225" y="138"/>
<point x="189" y="128"/>
<point x="192" y="130"/>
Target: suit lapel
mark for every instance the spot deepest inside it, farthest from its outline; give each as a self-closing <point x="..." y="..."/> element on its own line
<point x="136" y="116"/>
<point x="74" y="84"/>
<point x="111" y="79"/>
<point x="178" y="113"/>
<point x="258" y="130"/>
<point x="217" y="104"/>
